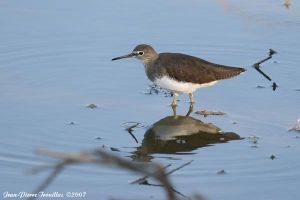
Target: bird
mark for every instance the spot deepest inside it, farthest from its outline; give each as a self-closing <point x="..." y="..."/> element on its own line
<point x="180" y="73"/>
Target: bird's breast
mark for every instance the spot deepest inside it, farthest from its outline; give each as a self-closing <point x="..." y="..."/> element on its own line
<point x="151" y="72"/>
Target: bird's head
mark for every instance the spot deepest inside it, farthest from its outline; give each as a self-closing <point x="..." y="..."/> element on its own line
<point x="143" y="52"/>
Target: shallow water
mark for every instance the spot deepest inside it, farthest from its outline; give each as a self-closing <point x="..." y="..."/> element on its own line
<point x="55" y="60"/>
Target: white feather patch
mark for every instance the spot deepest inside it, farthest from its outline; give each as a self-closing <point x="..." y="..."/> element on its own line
<point x="180" y="87"/>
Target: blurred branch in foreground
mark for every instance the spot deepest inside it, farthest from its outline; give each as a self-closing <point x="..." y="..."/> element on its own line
<point x="101" y="157"/>
<point x="144" y="181"/>
<point x="287" y="4"/>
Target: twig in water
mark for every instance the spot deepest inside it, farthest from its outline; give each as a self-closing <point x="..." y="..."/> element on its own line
<point x="130" y="128"/>
<point x="257" y="67"/>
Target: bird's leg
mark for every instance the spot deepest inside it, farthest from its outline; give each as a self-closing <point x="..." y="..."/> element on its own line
<point x="191" y="108"/>
<point x="174" y="102"/>
<point x="192" y="100"/>
<point x="174" y="110"/>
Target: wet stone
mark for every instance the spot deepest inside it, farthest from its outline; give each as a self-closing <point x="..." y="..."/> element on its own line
<point x="260" y="87"/>
<point x="221" y="172"/>
<point x="92" y="106"/>
<point x="114" y="149"/>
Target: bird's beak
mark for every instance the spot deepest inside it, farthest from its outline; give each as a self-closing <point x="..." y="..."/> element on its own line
<point x="125" y="56"/>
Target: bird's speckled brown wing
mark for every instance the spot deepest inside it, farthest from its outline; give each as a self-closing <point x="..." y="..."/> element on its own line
<point x="187" y="68"/>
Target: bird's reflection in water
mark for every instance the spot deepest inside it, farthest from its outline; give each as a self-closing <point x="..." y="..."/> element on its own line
<point x="178" y="134"/>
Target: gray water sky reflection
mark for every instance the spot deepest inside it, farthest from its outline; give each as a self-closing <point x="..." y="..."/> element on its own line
<point x="55" y="59"/>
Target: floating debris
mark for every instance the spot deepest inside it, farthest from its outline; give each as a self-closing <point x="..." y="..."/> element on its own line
<point x="92" y="106"/>
<point x="222" y="172"/>
<point x="296" y="126"/>
<point x="205" y="113"/>
<point x="114" y="149"/>
<point x="260" y="87"/>
<point x="71" y="123"/>
<point x="98" y="138"/>
<point x="272" y="157"/>
<point x="274" y="86"/>
<point x="254" y="140"/>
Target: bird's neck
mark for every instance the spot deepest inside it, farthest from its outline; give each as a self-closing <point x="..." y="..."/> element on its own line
<point x="149" y="60"/>
<point x="149" y="69"/>
<point x="149" y="65"/>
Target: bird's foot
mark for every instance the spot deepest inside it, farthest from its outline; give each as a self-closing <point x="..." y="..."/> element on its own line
<point x="174" y="109"/>
<point x="174" y="102"/>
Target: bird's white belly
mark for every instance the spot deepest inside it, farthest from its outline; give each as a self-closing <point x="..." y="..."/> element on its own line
<point x="178" y="86"/>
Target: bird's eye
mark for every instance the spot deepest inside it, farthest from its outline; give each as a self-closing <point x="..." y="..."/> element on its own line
<point x="141" y="53"/>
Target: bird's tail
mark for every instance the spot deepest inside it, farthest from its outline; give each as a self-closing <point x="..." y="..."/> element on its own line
<point x="225" y="72"/>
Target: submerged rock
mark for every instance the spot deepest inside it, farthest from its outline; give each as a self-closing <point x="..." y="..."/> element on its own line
<point x="114" y="149"/>
<point x="260" y="87"/>
<point x="221" y="172"/>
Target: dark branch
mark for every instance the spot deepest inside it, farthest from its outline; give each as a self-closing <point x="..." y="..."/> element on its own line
<point x="258" y="65"/>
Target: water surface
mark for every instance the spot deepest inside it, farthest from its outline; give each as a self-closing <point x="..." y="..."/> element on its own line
<point x="55" y="60"/>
